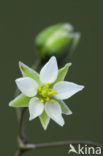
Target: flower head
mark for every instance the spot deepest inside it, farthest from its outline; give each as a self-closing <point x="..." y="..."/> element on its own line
<point x="44" y="93"/>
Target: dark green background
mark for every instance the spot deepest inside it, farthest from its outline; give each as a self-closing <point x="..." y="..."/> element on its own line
<point x="20" y="22"/>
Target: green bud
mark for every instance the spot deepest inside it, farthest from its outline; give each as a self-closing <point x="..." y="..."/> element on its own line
<point x="56" y="40"/>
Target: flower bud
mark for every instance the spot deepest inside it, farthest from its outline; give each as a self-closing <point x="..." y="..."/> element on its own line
<point x="56" y="40"/>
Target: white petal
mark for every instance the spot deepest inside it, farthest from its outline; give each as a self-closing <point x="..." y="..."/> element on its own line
<point x="50" y="71"/>
<point x="27" y="86"/>
<point x="66" y="89"/>
<point x="54" y="111"/>
<point x="35" y="108"/>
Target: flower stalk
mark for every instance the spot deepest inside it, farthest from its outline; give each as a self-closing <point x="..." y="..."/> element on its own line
<point x="28" y="147"/>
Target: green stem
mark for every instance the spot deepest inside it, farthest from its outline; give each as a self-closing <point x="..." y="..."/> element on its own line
<point x="28" y="147"/>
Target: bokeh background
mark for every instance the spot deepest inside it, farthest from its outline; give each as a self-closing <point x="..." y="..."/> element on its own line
<point x="20" y="22"/>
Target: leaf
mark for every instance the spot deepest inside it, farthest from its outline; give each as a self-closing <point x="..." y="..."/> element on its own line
<point x="44" y="119"/>
<point x="64" y="107"/>
<point x="28" y="72"/>
<point x="20" y="101"/>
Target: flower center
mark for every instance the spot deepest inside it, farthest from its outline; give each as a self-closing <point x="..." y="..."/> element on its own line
<point x="45" y="93"/>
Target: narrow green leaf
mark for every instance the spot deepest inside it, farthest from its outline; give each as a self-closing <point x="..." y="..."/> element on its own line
<point x="28" y="72"/>
<point x="44" y="119"/>
<point x="64" y="107"/>
<point x="20" y="101"/>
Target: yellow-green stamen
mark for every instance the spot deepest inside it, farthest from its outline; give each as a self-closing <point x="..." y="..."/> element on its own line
<point x="47" y="99"/>
<point x="52" y="101"/>
<point x="42" y="100"/>
<point x="45" y="93"/>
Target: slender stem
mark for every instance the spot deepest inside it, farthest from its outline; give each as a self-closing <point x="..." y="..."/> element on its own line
<point x="63" y="143"/>
<point x="22" y="138"/>
<point x="18" y="153"/>
<point x="28" y="147"/>
<point x="21" y="132"/>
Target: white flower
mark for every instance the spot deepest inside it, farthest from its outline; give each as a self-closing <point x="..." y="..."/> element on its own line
<point x="46" y="94"/>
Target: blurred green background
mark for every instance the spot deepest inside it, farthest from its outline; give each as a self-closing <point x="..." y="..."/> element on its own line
<point x="20" y="22"/>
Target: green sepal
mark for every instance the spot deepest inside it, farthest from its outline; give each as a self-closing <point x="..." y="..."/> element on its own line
<point x="62" y="73"/>
<point x="28" y="72"/>
<point x="76" y="38"/>
<point x="64" y="107"/>
<point x="20" y="101"/>
<point x="44" y="119"/>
